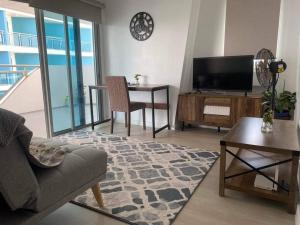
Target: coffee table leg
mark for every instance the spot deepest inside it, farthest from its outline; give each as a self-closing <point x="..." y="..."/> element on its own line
<point x="222" y="171"/>
<point x="293" y="187"/>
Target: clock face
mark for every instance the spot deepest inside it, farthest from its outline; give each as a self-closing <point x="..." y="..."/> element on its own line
<point x="141" y="26"/>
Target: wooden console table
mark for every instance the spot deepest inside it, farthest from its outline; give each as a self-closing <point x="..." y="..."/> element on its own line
<point x="190" y="109"/>
<point x="144" y="88"/>
<point x="258" y="154"/>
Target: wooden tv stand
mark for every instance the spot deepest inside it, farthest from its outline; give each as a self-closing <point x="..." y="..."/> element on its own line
<point x="190" y="109"/>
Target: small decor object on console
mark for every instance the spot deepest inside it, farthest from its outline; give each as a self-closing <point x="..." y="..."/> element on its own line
<point x="137" y="78"/>
<point x="141" y="26"/>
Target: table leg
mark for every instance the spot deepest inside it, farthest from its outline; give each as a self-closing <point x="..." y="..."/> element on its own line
<point x="91" y="107"/>
<point x="168" y="108"/>
<point x="293" y="185"/>
<point x="222" y="171"/>
<point x="97" y="194"/>
<point x="153" y="114"/>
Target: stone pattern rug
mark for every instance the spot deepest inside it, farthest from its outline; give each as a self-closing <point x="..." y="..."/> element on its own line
<point x="147" y="182"/>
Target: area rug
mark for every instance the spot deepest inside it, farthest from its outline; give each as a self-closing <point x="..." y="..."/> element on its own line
<point x="147" y="182"/>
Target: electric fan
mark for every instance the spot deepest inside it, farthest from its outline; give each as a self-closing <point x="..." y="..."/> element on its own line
<point x="262" y="60"/>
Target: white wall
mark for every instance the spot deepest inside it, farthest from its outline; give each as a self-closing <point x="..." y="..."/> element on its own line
<point x="160" y="58"/>
<point x="206" y="35"/>
<point x="211" y="29"/>
<point x="27" y="97"/>
<point x="298" y="119"/>
<point x="27" y="100"/>
<point x="288" y="42"/>
<point x="187" y="71"/>
<point x="251" y="26"/>
<point x="289" y="51"/>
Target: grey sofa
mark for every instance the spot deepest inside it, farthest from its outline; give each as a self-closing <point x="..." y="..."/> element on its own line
<point x="48" y="189"/>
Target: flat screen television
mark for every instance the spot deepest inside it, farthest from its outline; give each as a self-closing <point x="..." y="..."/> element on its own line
<point x="229" y="73"/>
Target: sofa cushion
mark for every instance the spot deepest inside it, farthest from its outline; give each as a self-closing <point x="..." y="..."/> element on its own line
<point x="81" y="165"/>
<point x="46" y="153"/>
<point x="9" y="124"/>
<point x="18" y="184"/>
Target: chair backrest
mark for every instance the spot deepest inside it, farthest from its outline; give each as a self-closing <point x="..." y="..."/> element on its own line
<point x="118" y="93"/>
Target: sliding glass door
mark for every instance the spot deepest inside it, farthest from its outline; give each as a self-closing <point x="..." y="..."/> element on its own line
<point x="77" y="95"/>
<point x="88" y="67"/>
<point x="70" y="69"/>
<point x="58" y="71"/>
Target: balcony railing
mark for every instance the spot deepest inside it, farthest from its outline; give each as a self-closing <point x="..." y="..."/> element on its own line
<point x="10" y="75"/>
<point x="31" y="41"/>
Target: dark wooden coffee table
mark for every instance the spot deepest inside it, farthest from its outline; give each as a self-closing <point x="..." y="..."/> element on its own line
<point x="259" y="153"/>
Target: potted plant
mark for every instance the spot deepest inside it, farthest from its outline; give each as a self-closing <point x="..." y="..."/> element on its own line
<point x="284" y="104"/>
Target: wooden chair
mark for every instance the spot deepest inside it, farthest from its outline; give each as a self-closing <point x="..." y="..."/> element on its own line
<point x="120" y="101"/>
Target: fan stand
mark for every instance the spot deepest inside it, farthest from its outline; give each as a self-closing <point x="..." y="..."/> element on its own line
<point x="274" y="82"/>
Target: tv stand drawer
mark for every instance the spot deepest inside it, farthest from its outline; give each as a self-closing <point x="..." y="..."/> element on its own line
<point x="217" y="120"/>
<point x="220" y="101"/>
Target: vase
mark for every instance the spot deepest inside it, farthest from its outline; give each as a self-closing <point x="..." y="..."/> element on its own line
<point x="266" y="127"/>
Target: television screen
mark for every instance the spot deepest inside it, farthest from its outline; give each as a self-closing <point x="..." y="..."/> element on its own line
<point x="233" y="73"/>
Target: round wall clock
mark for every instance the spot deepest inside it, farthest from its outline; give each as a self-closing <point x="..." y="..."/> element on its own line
<point x="141" y="26"/>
